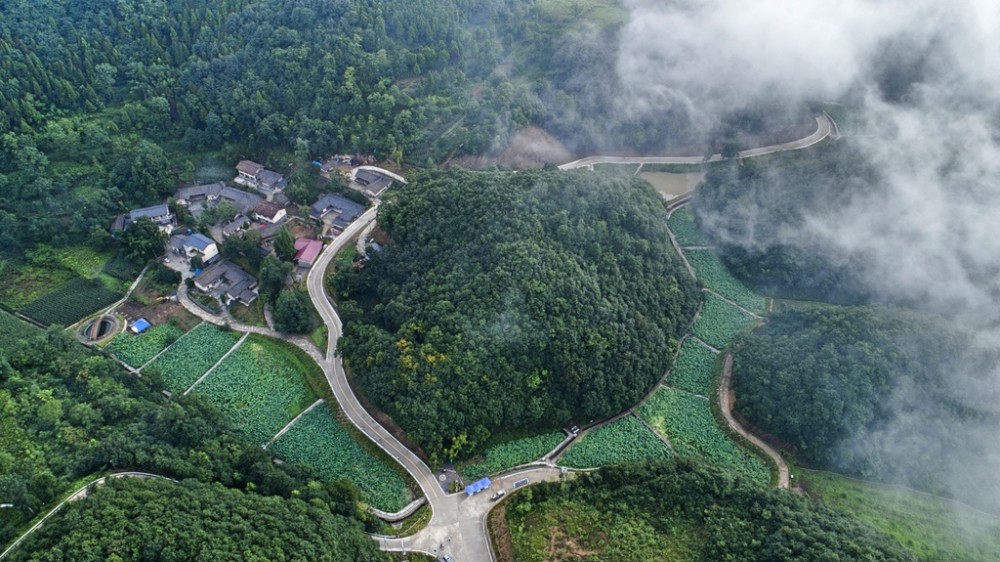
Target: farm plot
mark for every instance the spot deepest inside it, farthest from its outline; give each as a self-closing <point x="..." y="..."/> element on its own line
<point x="720" y="322"/>
<point x="625" y="440"/>
<point x="688" y="423"/>
<point x="14" y="330"/>
<point x="715" y="276"/>
<point x="137" y="349"/>
<point x="260" y="387"/>
<point x="686" y="232"/>
<point x="317" y="440"/>
<point x="76" y="299"/>
<point x="193" y="354"/>
<point x="694" y="370"/>
<point x="514" y="453"/>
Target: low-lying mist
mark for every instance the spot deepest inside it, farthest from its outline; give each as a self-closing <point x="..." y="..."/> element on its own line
<point x="919" y="85"/>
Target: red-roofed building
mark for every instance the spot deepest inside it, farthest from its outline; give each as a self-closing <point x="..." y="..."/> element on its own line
<point x="306" y="251"/>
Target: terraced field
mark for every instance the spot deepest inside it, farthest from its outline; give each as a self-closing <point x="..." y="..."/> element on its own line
<point x="694" y="370"/>
<point x="715" y="276"/>
<point x="688" y="423"/>
<point x="686" y="232"/>
<point x="136" y="349"/>
<point x="720" y="322"/>
<point x="624" y="440"/>
<point x="193" y="354"/>
<point x="508" y="455"/>
<point x="260" y="387"/>
<point x="317" y="440"/>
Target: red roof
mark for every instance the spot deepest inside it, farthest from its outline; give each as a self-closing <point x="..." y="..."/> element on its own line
<point x="306" y="249"/>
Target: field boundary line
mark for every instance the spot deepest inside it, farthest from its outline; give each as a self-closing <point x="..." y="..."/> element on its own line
<point x="289" y="425"/>
<point x="221" y="359"/>
<point x="705" y="344"/>
<point x="663" y="437"/>
<point x="734" y="303"/>
<point x="164" y="350"/>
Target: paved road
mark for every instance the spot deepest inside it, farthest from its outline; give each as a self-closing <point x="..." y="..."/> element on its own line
<point x="825" y="127"/>
<point x="79" y="494"/>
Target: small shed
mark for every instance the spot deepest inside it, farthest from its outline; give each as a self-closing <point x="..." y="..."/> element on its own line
<point x="140" y="326"/>
<point x="477" y="486"/>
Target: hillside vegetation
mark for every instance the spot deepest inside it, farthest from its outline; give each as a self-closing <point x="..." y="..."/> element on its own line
<point x="675" y="510"/>
<point x="132" y="519"/>
<point x="513" y="301"/>
<point x="859" y="389"/>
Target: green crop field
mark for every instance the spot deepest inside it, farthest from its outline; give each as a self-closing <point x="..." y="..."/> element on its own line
<point x="715" y="276"/>
<point x="933" y="528"/>
<point x="14" y="330"/>
<point x="694" y="370"/>
<point x="688" y="423"/>
<point x="513" y="453"/>
<point x="720" y="322"/>
<point x="260" y="387"/>
<point x="624" y="440"/>
<point x="137" y="349"/>
<point x="71" y="302"/>
<point x="686" y="232"/>
<point x="193" y="354"/>
<point x="317" y="440"/>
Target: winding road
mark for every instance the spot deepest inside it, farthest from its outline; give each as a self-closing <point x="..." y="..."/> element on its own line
<point x="825" y="127"/>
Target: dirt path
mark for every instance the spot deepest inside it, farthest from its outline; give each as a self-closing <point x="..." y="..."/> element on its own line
<point x="726" y="399"/>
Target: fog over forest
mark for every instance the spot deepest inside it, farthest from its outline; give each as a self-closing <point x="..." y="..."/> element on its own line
<point x="921" y="83"/>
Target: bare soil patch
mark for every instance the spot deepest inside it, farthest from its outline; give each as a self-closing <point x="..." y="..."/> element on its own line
<point x="530" y="147"/>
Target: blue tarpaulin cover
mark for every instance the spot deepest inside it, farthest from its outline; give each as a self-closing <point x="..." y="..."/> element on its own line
<point x="140" y="326"/>
<point x="477" y="486"/>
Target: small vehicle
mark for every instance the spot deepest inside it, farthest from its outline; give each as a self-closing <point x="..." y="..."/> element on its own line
<point x="497" y="495"/>
<point x="166" y="260"/>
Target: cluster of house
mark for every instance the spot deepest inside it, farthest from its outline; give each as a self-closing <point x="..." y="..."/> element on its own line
<point x="266" y="211"/>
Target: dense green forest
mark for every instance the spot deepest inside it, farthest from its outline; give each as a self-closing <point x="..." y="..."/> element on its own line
<point x="754" y="210"/>
<point x="513" y="300"/>
<point x="68" y="413"/>
<point x="859" y="389"/>
<point x="676" y="510"/>
<point x="190" y="521"/>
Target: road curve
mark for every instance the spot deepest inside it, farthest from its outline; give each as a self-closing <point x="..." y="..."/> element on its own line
<point x="726" y="399"/>
<point x="80" y="493"/>
<point x="825" y="127"/>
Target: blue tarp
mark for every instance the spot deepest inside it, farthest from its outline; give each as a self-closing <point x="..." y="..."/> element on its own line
<point x="477" y="486"/>
<point x="140" y="326"/>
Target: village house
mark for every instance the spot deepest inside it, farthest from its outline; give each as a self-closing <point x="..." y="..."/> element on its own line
<point x="198" y="244"/>
<point x="306" y="251"/>
<point x="269" y="212"/>
<point x="228" y="282"/>
<point x="235" y="225"/>
<point x="199" y="197"/>
<point x="159" y="214"/>
<point x="260" y="178"/>
<point x="372" y="184"/>
<point x="345" y="209"/>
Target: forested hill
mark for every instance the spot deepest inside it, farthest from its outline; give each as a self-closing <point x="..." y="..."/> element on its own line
<point x="861" y="390"/>
<point x="507" y="301"/>
<point x="673" y="510"/>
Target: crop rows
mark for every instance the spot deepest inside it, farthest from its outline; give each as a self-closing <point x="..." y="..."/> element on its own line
<point x="686" y="232"/>
<point x="514" y="453"/>
<point x="193" y="354"/>
<point x="688" y="423"/>
<point x="694" y="370"/>
<point x="317" y="440"/>
<point x="625" y="440"/>
<point x="137" y="349"/>
<point x="259" y="388"/>
<point x="76" y="299"/>
<point x="715" y="276"/>
<point x="720" y="322"/>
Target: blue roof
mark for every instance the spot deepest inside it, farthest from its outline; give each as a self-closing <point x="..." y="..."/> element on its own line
<point x="140" y="325"/>
<point x="477" y="486"/>
<point x="199" y="241"/>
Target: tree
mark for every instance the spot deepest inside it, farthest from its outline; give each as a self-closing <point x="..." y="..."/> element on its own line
<point x="143" y="240"/>
<point x="272" y="277"/>
<point x="196" y="262"/>
<point x="284" y="246"/>
<point x="291" y="312"/>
